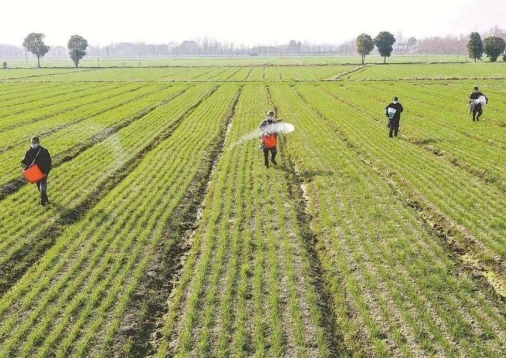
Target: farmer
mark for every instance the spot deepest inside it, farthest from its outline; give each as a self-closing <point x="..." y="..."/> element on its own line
<point x="474" y="105"/>
<point x="268" y="138"/>
<point x="393" y="112"/>
<point x="40" y="156"/>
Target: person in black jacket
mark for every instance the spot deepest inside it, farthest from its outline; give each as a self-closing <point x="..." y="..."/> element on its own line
<point x="475" y="106"/>
<point x="266" y="129"/>
<point x="393" y="112"/>
<point x="40" y="156"/>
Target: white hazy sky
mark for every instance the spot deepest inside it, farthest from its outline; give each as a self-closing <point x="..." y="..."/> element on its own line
<point x="248" y="22"/>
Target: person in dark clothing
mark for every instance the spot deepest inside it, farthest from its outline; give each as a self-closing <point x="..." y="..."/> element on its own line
<point x="393" y="112"/>
<point x="40" y="156"/>
<point x="474" y="105"/>
<point x="268" y="138"/>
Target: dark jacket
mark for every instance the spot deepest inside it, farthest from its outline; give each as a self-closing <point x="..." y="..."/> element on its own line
<point x="267" y="122"/>
<point x="476" y="95"/>
<point x="43" y="159"/>
<point x="397" y="116"/>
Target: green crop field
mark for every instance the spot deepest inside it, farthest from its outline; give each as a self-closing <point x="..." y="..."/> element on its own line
<point x="166" y="236"/>
<point x="185" y="61"/>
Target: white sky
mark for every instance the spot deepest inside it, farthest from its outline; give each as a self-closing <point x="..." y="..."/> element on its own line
<point x="254" y="22"/>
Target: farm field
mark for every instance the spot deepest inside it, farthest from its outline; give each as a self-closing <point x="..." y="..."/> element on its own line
<point x="299" y="60"/>
<point x="166" y="236"/>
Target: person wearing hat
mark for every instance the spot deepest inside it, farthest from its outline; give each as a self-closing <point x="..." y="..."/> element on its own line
<point x="268" y="138"/>
<point x="475" y="105"/>
<point x="393" y="112"/>
<point x="40" y="156"/>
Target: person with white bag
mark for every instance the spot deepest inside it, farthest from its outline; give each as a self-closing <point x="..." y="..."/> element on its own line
<point x="476" y="100"/>
<point x="393" y="112"/>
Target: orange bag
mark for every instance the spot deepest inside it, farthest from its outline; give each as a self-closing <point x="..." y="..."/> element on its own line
<point x="269" y="140"/>
<point x="33" y="174"/>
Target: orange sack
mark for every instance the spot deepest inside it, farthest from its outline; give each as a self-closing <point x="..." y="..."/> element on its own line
<point x="269" y="140"/>
<point x="33" y="174"/>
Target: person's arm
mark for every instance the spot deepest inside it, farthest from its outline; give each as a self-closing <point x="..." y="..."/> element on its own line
<point x="50" y="162"/>
<point x="25" y="162"/>
<point x="400" y="108"/>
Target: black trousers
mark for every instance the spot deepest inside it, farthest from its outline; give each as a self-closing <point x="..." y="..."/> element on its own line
<point x="42" y="187"/>
<point x="273" y="155"/>
<point x="477" y="112"/>
<point x="394" y="125"/>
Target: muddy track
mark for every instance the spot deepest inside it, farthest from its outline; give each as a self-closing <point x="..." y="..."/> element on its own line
<point x="148" y="305"/>
<point x="28" y="255"/>
<point x="459" y="244"/>
<point x="334" y="338"/>
<point x="70" y="153"/>
<point x="485" y="176"/>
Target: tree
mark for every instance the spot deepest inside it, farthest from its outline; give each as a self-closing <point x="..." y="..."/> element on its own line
<point x="494" y="46"/>
<point x="365" y="45"/>
<point x="475" y="46"/>
<point x="35" y="44"/>
<point x="77" y="48"/>
<point x="384" y="42"/>
<point x="412" y="41"/>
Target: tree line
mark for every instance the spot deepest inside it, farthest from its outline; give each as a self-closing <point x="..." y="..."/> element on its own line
<point x="77" y="45"/>
<point x="492" y="46"/>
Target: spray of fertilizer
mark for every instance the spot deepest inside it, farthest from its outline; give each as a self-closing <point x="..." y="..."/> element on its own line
<point x="280" y="127"/>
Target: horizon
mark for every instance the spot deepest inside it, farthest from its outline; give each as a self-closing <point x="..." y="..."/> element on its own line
<point x="219" y="21"/>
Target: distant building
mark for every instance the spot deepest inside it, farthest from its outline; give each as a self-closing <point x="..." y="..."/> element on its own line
<point x="404" y="48"/>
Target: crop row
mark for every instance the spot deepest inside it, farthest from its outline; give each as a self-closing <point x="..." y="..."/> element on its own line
<point x="301" y="59"/>
<point x="14" y="93"/>
<point x="440" y="71"/>
<point x="395" y="290"/>
<point x="66" y="132"/>
<point x="209" y="73"/>
<point x="247" y="286"/>
<point x="26" y="73"/>
<point x="452" y="101"/>
<point x="56" y="106"/>
<point x="19" y="130"/>
<point x="76" y="184"/>
<point x="49" y="98"/>
<point x="71" y="303"/>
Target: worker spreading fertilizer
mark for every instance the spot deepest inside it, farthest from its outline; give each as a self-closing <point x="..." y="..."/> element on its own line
<point x="267" y="132"/>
